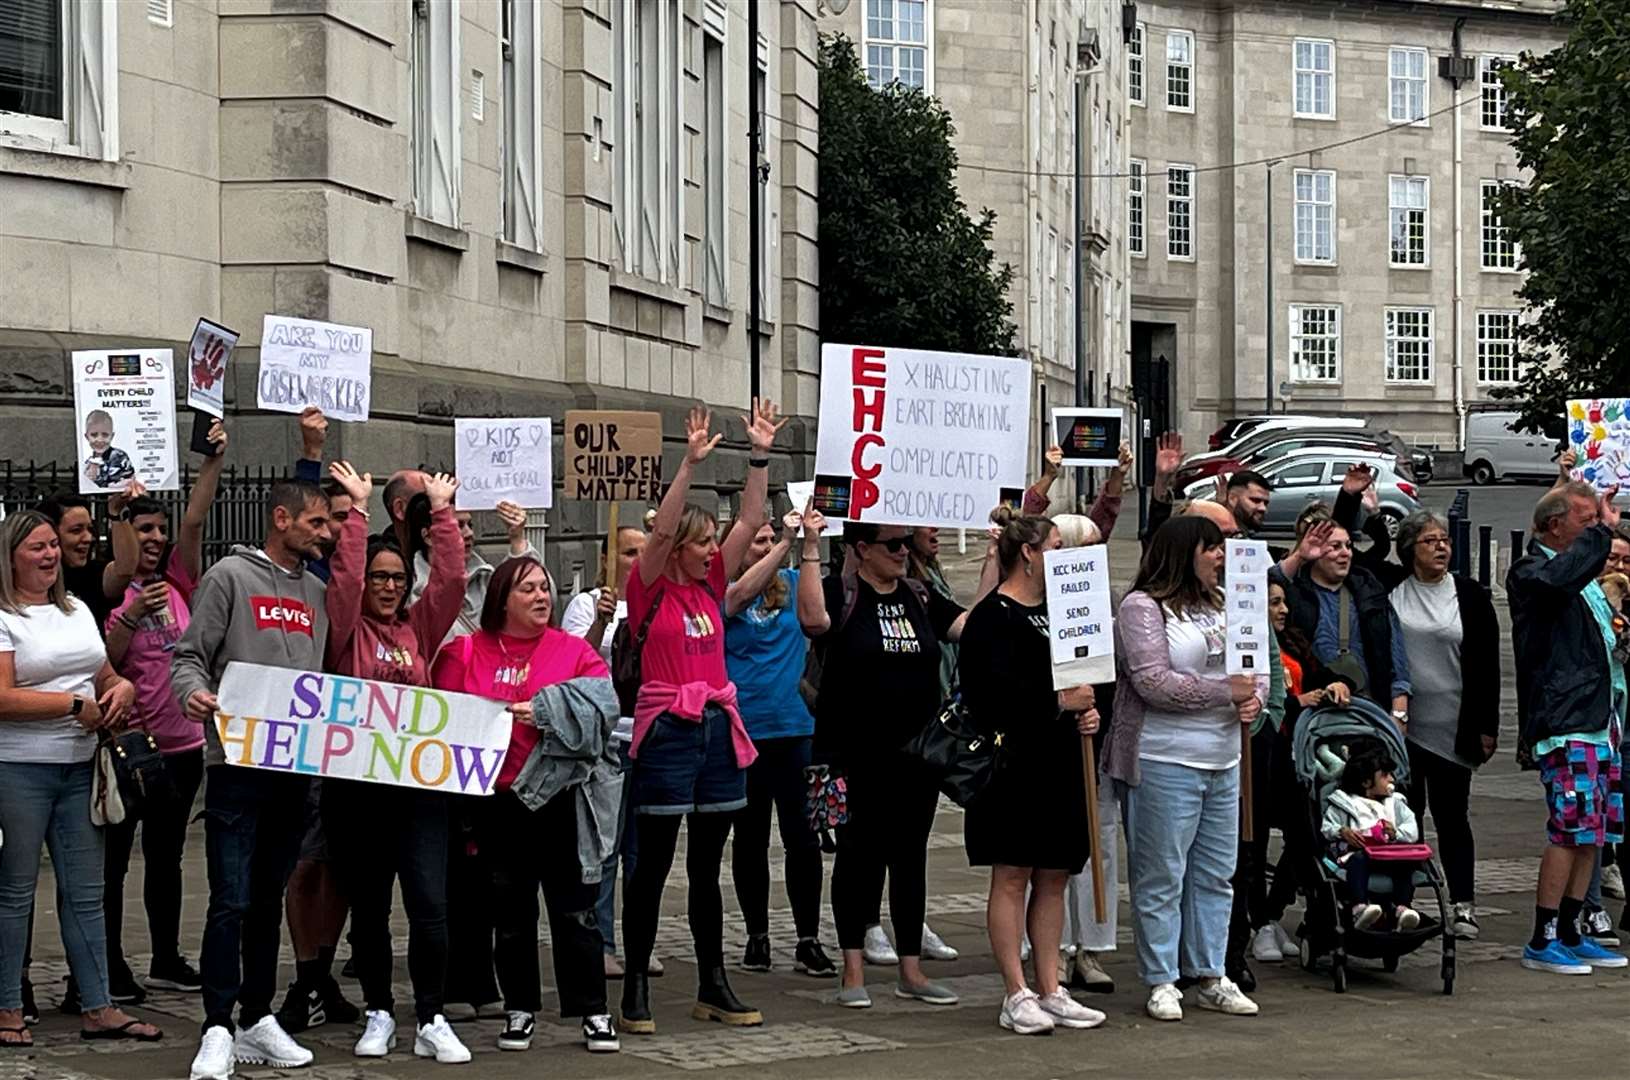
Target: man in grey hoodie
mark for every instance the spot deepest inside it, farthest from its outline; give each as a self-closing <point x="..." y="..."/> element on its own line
<point x="261" y="606"/>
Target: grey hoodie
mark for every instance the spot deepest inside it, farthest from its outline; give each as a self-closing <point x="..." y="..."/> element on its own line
<point x="477" y="576"/>
<point x="248" y="608"/>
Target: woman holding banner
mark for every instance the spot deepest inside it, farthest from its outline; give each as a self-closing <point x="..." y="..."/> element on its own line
<point x="550" y="819"/>
<point x="1030" y="827"/>
<point x="690" y="748"/>
<point x="373" y="634"/>
<point x="1175" y="750"/>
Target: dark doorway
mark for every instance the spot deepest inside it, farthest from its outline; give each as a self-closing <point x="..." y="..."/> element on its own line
<point x="1152" y="347"/>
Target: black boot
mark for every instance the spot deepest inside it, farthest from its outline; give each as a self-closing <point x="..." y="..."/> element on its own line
<point x="716" y="1001"/>
<point x="637" y="1018"/>
<point x="1240" y="972"/>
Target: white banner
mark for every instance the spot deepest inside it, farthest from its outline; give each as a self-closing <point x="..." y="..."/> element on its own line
<point x="908" y="437"/>
<point x="504" y="459"/>
<point x="1245" y="583"/>
<point x="304" y="362"/>
<point x="1080" y="616"/>
<point x="293" y="721"/>
<point x="207" y="357"/>
<point x="124" y="413"/>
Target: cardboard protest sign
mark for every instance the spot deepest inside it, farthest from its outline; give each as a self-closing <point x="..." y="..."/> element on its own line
<point x="1599" y="436"/>
<point x="1090" y="438"/>
<point x="1080" y="616"/>
<point x="613" y="456"/>
<point x="1245" y="574"/>
<point x="504" y="459"/>
<point x="909" y="437"/>
<point x="304" y="362"/>
<point x="207" y="358"/>
<point x="124" y="412"/>
<point x="293" y="721"/>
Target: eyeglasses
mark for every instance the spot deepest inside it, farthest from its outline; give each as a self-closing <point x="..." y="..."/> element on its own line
<point x="1434" y="541"/>
<point x="385" y="577"/>
<point x="895" y="545"/>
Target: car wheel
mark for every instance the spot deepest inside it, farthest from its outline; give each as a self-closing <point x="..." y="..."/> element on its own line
<point x="1483" y="473"/>
<point x="1393" y="521"/>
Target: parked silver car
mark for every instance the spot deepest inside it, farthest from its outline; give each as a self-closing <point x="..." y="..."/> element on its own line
<point x="1315" y="475"/>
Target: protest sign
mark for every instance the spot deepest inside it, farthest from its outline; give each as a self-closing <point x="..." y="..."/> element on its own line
<point x="293" y="721"/>
<point x="909" y="437"/>
<point x="505" y="459"/>
<point x="1599" y="436"/>
<point x="304" y="362"/>
<point x="1080" y="616"/>
<point x="1090" y="438"/>
<point x="612" y="456"/>
<point x="207" y="357"/>
<point x="799" y="493"/>
<point x="124" y="413"/>
<point x="1246" y="620"/>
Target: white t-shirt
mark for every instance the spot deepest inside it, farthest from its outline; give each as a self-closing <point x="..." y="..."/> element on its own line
<point x="1207" y="739"/>
<point x="576" y="621"/>
<point x="57" y="652"/>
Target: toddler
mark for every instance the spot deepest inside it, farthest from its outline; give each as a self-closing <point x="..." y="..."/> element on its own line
<point x="107" y="466"/>
<point x="1363" y="813"/>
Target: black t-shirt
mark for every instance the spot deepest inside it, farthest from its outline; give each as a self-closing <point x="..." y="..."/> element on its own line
<point x="1007" y="671"/>
<point x="85" y="582"/>
<point x="880" y="678"/>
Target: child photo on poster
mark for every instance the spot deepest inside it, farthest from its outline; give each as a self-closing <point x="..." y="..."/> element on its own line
<point x="124" y="413"/>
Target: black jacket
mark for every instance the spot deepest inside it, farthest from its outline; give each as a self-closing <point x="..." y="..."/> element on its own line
<point x="1374" y="621"/>
<point x="1564" y="684"/>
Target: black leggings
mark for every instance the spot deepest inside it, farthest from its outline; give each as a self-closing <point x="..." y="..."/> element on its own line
<point x="658" y="837"/>
<point x="891" y="813"/>
<point x="777" y="778"/>
<point x="163" y="840"/>
<point x="1445" y="788"/>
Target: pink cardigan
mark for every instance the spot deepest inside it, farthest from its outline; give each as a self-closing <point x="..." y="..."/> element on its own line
<point x="688" y="702"/>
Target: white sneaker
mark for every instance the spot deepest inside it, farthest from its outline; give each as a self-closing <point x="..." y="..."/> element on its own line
<point x="436" y="1039"/>
<point x="1465" y="923"/>
<point x="1068" y="1012"/>
<point x="1366" y="916"/>
<point x="1224" y="997"/>
<point x="934" y="947"/>
<point x="1289" y="947"/>
<point x="878" y="949"/>
<point x="268" y="1044"/>
<point x="379" y="1037"/>
<point x="214" y="1058"/>
<point x="1022" y="1014"/>
<point x="1265" y="945"/>
<point x="1408" y="918"/>
<point x="1165" y="1003"/>
<point x="1613" y="883"/>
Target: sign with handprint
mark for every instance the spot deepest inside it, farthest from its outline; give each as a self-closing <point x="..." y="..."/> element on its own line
<point x="504" y="459"/>
<point x="1599" y="436"/>
<point x="207" y="357"/>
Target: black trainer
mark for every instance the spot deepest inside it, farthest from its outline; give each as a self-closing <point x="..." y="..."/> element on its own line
<point x="31" y="1008"/>
<point x="518" y="1028"/>
<point x="173" y="974"/>
<point x="810" y="959"/>
<point x="600" y="1035"/>
<point x="339" y="1010"/>
<point x="123" y="989"/>
<point x="757" y="956"/>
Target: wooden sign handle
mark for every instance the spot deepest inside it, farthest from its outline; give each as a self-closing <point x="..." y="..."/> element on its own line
<point x="611" y="549"/>
<point x="1247" y="827"/>
<point x="1089" y="769"/>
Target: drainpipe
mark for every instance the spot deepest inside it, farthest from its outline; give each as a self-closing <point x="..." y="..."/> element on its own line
<point x="1460" y="260"/>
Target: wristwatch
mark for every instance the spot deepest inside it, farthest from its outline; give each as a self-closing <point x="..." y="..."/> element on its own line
<point x="1400" y="717"/>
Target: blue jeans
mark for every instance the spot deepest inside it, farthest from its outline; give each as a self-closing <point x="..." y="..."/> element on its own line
<point x="50" y="804"/>
<point x="1182" y="827"/>
<point x="605" y="908"/>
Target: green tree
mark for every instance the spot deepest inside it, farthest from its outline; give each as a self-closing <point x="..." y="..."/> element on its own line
<point x="902" y="263"/>
<point x="1568" y="109"/>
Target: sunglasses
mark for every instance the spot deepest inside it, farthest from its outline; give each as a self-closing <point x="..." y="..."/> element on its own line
<point x="894" y="545"/>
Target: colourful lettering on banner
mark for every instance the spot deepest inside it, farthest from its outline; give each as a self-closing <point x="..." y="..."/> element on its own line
<point x="282" y="613"/>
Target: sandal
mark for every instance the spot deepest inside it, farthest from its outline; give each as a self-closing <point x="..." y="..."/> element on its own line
<point x="24" y="1041"/>
<point x="123" y="1031"/>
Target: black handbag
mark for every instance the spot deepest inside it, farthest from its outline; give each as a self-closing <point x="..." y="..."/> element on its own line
<point x="963" y="761"/>
<point x="130" y="775"/>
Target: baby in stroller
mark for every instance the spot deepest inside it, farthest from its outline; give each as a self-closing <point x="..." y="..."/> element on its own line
<point x="1365" y="814"/>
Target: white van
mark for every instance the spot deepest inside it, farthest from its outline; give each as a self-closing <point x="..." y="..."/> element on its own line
<point x="1494" y="451"/>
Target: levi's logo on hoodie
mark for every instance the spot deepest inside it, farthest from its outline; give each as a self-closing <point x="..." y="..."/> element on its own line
<point x="282" y="613"/>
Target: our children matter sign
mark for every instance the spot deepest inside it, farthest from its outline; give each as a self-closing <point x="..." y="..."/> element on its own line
<point x="357" y="729"/>
<point x="304" y="362"/>
<point x="504" y="459"/>
<point x="1080" y="616"/>
<point x="909" y="437"/>
<point x="124" y="405"/>
<point x="613" y="456"/>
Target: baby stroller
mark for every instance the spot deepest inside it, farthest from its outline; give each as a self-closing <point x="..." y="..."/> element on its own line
<point x="1320" y="749"/>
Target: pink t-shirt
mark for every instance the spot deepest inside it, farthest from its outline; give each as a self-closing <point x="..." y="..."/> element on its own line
<point x="686" y="641"/>
<point x="146" y="662"/>
<point x="502" y="668"/>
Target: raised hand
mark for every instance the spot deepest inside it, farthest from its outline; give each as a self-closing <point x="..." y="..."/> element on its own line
<point x="1052" y="462"/>
<point x="1315" y="542"/>
<point x="813" y="520"/>
<point x="313" y="433"/>
<point x="698" y="443"/>
<point x="763" y="426"/>
<point x="440" y="487"/>
<point x="1168" y="454"/>
<point x="359" y="487"/>
<point x="1123" y="463"/>
<point x="134" y="489"/>
<point x="217" y="438"/>
<point x="513" y="517"/>
<point x="1358" y="478"/>
<point x="1609" y="513"/>
<point x="791" y="521"/>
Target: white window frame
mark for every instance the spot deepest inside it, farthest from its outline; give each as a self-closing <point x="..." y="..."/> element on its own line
<point x="1487" y="319"/>
<point x="438" y="109"/>
<point x="1493" y="235"/>
<point x="715" y="156"/>
<point x="1187" y="68"/>
<point x="1424" y="80"/>
<point x="1313" y="75"/>
<point x="1491" y="88"/>
<point x="521" y="189"/>
<point x="648" y="178"/>
<point x="1137" y="67"/>
<point x="1137" y="215"/>
<point x="1187" y="202"/>
<point x="1049" y="296"/>
<point x="1393" y="340"/>
<point x="89" y="74"/>
<point x="895" y="43"/>
<point x="1300" y="336"/>
<point x="1306" y="212"/>
<point x="1425" y="210"/>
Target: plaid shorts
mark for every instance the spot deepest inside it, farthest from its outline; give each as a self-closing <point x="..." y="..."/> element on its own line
<point x="1583" y="794"/>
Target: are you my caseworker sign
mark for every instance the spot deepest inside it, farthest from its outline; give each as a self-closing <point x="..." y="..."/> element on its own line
<point x="909" y="437"/>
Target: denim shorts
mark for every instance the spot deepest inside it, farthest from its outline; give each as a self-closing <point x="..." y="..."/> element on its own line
<point x="688" y="766"/>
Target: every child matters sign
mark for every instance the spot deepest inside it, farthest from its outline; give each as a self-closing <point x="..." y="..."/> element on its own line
<point x="357" y="729"/>
<point x="909" y="437"/>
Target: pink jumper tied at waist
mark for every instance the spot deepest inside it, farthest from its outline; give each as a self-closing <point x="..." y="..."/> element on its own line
<point x="688" y="702"/>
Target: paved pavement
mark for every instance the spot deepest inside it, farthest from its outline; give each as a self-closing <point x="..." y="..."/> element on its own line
<point x="1501" y="1021"/>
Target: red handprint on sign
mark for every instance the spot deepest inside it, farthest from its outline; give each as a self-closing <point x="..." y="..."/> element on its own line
<point x="208" y="363"/>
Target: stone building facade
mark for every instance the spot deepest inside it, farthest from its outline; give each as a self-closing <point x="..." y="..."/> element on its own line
<point x="534" y="204"/>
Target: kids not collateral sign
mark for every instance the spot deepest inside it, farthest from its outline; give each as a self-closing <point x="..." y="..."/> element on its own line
<point x="1080" y="622"/>
<point x="334" y="725"/>
<point x="304" y="362"/>
<point x="124" y="403"/>
<point x="504" y="459"/>
<point x="909" y="437"/>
